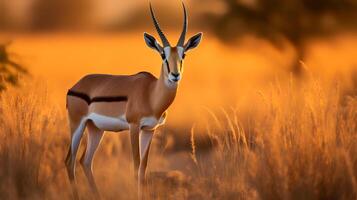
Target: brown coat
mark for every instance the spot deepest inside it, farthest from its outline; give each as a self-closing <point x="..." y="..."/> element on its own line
<point x="146" y="96"/>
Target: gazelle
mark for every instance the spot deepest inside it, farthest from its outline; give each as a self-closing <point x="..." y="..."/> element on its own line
<point x="137" y="103"/>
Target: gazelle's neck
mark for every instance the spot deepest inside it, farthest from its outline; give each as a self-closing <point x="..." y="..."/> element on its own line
<point x="164" y="93"/>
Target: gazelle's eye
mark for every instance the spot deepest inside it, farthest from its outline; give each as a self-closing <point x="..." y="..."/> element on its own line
<point x="183" y="56"/>
<point x="163" y="56"/>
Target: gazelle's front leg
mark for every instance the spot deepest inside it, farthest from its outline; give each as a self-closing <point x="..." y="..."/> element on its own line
<point x="145" y="138"/>
<point x="134" y="139"/>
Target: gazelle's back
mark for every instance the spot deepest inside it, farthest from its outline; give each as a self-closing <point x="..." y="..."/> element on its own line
<point x="103" y="85"/>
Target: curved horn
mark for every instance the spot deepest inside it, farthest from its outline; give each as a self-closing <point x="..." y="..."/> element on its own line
<point x="183" y="34"/>
<point x="165" y="42"/>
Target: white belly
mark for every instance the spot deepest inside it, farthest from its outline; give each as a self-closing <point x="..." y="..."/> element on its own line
<point x="106" y="123"/>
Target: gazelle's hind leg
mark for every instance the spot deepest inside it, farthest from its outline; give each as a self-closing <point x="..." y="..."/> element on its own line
<point x="73" y="127"/>
<point x="94" y="137"/>
<point x="71" y="156"/>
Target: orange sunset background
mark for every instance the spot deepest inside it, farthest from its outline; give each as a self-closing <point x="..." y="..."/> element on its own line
<point x="245" y="123"/>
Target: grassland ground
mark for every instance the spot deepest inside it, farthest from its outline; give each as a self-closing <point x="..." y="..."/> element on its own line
<point x="294" y="141"/>
<point x="237" y="133"/>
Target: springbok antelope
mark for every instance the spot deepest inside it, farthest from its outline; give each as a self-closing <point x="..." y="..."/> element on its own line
<point x="137" y="103"/>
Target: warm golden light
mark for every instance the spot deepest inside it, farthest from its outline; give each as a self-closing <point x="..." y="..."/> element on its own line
<point x="260" y="113"/>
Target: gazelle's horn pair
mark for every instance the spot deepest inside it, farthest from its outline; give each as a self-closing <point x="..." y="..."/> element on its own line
<point x="164" y="40"/>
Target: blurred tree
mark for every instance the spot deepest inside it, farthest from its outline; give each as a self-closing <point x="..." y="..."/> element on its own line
<point x="294" y="20"/>
<point x="59" y="14"/>
<point x="9" y="69"/>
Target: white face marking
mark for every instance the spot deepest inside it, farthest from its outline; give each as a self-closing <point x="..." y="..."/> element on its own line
<point x="180" y="51"/>
<point x="167" y="51"/>
<point x="171" y="81"/>
<point x="109" y="123"/>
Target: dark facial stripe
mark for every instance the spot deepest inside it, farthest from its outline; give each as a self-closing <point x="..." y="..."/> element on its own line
<point x="167" y="65"/>
<point x="86" y="98"/>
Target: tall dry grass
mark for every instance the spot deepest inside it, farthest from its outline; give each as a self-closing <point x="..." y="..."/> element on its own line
<point x="294" y="140"/>
<point x="29" y="125"/>
<point x="297" y="141"/>
<point x="34" y="139"/>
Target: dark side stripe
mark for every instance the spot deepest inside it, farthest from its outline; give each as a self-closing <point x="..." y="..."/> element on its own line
<point x="89" y="100"/>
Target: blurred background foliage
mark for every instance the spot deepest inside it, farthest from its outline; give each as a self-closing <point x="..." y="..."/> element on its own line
<point x="277" y="21"/>
<point x="293" y="20"/>
<point x="9" y="69"/>
<point x="271" y="19"/>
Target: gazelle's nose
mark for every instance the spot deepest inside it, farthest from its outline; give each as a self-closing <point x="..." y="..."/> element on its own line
<point x="175" y="75"/>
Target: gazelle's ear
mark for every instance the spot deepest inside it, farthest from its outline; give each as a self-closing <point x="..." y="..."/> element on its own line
<point x="193" y="42"/>
<point x="152" y="42"/>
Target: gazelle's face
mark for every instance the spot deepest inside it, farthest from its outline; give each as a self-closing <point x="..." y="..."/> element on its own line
<point x="172" y="57"/>
<point x="172" y="63"/>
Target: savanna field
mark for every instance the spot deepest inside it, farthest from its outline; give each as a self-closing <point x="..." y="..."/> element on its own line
<point x="242" y="126"/>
